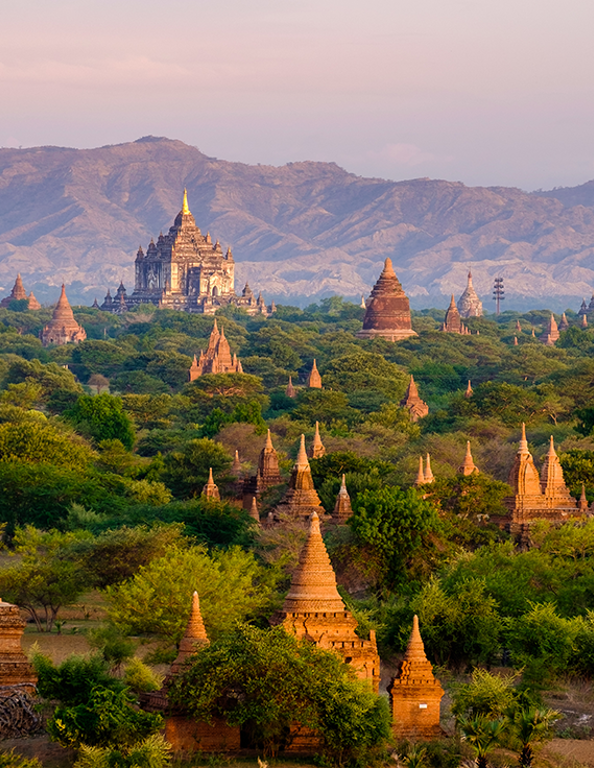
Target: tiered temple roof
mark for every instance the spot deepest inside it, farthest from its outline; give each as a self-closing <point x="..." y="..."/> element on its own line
<point x="416" y="407"/>
<point x="388" y="310"/>
<point x="313" y="609"/>
<point x="452" y="322"/>
<point x="537" y="496"/>
<point x="469" y="304"/>
<point x="217" y="358"/>
<point x="62" y="328"/>
<point x="415" y="693"/>
<point x="300" y="499"/>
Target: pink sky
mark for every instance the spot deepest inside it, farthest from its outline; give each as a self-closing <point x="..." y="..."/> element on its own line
<point x="481" y="91"/>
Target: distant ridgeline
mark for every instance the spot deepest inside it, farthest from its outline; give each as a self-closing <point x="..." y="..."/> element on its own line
<point x="186" y="271"/>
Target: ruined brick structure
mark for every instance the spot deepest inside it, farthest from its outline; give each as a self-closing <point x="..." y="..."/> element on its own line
<point x="15" y="669"/>
<point x="19" y="293"/>
<point x="388" y="311"/>
<point x="314" y="380"/>
<point x="217" y="358"/>
<point x="301" y="498"/>
<point x="415" y="693"/>
<point x="267" y="474"/>
<point x="211" y="490"/>
<point x="469" y="304"/>
<point x="313" y="609"/>
<point x="62" y="328"/>
<point x="416" y="407"/>
<point x="185" y="270"/>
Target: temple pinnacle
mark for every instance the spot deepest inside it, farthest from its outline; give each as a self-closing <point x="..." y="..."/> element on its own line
<point x="523" y="442"/>
<point x="302" y="462"/>
<point x="185" y="208"/>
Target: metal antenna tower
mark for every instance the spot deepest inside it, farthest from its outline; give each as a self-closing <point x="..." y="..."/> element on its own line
<point x="498" y="294"/>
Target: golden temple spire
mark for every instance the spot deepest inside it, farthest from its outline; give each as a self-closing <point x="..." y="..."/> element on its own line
<point x="523" y="442"/>
<point x="429" y="477"/>
<point x="185" y="208"/>
<point x="421" y="473"/>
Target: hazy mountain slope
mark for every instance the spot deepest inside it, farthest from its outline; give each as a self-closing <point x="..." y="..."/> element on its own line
<point x="301" y="229"/>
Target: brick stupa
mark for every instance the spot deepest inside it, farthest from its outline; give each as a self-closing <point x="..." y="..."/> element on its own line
<point x="194" y="638"/>
<point x="314" y="380"/>
<point x="468" y="466"/>
<point x="267" y="474"/>
<point x="15" y="669"/>
<point x="313" y="609"/>
<point x="300" y="499"/>
<point x="317" y="447"/>
<point x="415" y="693"/>
<point x="416" y="407"/>
<point x="342" y="508"/>
<point x="217" y="358"/>
<point x="469" y="304"/>
<point x="551" y="332"/>
<point x="537" y="496"/>
<point x="453" y="322"/>
<point x="211" y="489"/>
<point x="19" y="293"/>
<point x="388" y="311"/>
<point x="62" y="328"/>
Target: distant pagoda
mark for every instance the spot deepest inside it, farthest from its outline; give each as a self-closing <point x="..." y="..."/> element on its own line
<point x="469" y="304"/>
<point x="19" y="293"/>
<point x="453" y="322"/>
<point x="300" y="499"/>
<point x="416" y="407"/>
<point x="217" y="358"/>
<point x="62" y="328"/>
<point x="388" y="311"/>
<point x="551" y="333"/>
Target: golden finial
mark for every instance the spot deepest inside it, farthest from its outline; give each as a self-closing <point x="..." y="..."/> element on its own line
<point x="185" y="208"/>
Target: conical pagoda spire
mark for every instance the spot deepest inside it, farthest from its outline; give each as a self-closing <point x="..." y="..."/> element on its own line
<point x="313" y="586"/>
<point x="185" y="207"/>
<point x="211" y="490"/>
<point x="236" y="468"/>
<point x="421" y="473"/>
<point x="302" y="462"/>
<point x="314" y="380"/>
<point x="388" y="271"/>
<point x="469" y="392"/>
<point x="563" y="325"/>
<point x="583" y="504"/>
<point x="429" y="478"/>
<point x="254" y="513"/>
<point x="468" y="466"/>
<point x="342" y="507"/>
<point x="317" y="448"/>
<point x="415" y="665"/>
<point x="469" y="304"/>
<point x="290" y="391"/>
<point x="584" y="321"/>
<point x="551" y="475"/>
<point x="194" y="637"/>
<point x="523" y="446"/>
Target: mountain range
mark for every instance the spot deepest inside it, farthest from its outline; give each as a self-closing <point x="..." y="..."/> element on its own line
<point x="298" y="232"/>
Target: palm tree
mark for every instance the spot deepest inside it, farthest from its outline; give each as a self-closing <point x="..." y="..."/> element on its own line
<point x="483" y="735"/>
<point x="531" y="725"/>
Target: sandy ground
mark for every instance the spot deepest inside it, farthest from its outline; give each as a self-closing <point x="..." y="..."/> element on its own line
<point x="570" y="752"/>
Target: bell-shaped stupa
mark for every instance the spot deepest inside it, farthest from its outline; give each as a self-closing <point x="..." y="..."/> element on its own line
<point x="388" y="310"/>
<point x="469" y="304"/>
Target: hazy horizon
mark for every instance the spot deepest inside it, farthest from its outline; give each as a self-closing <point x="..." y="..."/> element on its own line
<point x="487" y="93"/>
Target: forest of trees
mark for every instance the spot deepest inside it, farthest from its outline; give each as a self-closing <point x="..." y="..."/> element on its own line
<point x="105" y="448"/>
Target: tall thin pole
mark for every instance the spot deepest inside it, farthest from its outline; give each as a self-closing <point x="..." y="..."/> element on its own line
<point x="498" y="294"/>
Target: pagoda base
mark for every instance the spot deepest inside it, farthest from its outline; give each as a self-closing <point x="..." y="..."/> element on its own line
<point x="394" y="334"/>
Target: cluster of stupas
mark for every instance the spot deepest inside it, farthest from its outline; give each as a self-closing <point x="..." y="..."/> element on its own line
<point x="62" y="328"/>
<point x="425" y="474"/>
<point x="313" y="610"/>
<point x="19" y="293"/>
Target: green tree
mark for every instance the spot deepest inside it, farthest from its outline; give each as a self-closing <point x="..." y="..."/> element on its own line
<point x="232" y="587"/>
<point x="186" y="471"/>
<point x="267" y="680"/>
<point x="38" y="442"/>
<point x="530" y="725"/>
<point x="102" y="417"/>
<point x="47" y="576"/>
<point x="483" y="735"/>
<point x="51" y="377"/>
<point x="398" y="527"/>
